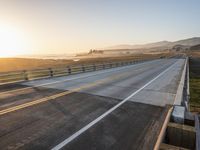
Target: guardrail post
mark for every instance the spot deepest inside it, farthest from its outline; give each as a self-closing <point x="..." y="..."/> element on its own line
<point x="25" y="75"/>
<point x="103" y="66"/>
<point x="83" y="68"/>
<point x="50" y="72"/>
<point x="69" y="70"/>
<point x="94" y="67"/>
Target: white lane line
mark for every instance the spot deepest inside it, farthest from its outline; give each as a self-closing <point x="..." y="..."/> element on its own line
<point x="75" y="78"/>
<point x="30" y="83"/>
<point x="82" y="130"/>
<point x="94" y="74"/>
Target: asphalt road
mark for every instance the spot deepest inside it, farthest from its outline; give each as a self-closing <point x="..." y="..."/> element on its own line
<point x="119" y="108"/>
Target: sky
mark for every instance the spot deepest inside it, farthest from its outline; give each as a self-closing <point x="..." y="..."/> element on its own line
<point x="73" y="26"/>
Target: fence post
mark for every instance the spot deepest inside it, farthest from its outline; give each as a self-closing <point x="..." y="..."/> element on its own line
<point x="50" y="72"/>
<point x="83" y="68"/>
<point x="103" y="66"/>
<point x="116" y="64"/>
<point x="94" y="67"/>
<point x="69" y="70"/>
<point x="25" y="75"/>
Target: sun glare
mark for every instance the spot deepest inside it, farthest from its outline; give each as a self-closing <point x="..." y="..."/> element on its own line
<point x="12" y="41"/>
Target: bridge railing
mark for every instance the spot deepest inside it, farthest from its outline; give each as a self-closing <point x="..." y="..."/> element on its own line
<point x="182" y="95"/>
<point x="186" y="87"/>
<point x="25" y="75"/>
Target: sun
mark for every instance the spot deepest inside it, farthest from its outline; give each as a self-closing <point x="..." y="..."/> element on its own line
<point x="12" y="41"/>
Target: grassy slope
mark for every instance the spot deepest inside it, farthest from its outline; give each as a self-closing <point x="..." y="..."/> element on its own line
<point x="195" y="83"/>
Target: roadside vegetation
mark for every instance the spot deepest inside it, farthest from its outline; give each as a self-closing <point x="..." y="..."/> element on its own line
<point x="194" y="63"/>
<point x="16" y="64"/>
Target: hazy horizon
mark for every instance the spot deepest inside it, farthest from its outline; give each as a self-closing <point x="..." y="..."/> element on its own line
<point x="38" y="27"/>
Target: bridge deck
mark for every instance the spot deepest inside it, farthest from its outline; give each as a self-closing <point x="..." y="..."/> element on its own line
<point x="43" y="113"/>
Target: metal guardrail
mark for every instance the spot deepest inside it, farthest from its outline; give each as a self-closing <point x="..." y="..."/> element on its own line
<point x="186" y="88"/>
<point x="25" y="75"/>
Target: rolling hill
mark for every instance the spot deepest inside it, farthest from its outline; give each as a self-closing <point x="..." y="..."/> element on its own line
<point x="162" y="44"/>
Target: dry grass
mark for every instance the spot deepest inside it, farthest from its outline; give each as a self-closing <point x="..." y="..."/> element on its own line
<point x="16" y="64"/>
<point x="195" y="83"/>
<point x="194" y="54"/>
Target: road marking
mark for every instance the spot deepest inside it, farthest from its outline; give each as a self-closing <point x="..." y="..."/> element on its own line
<point x="21" y="106"/>
<point x="82" y="130"/>
<point x="28" y="104"/>
<point x="75" y="78"/>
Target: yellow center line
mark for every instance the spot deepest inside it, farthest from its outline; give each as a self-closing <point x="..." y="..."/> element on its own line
<point x="41" y="85"/>
<point x="35" y="102"/>
<point x="16" y="90"/>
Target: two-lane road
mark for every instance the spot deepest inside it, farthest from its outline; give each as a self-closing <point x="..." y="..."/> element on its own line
<point x="119" y="108"/>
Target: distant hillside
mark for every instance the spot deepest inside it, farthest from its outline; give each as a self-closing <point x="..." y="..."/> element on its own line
<point x="149" y="45"/>
<point x="188" y="42"/>
<point x="162" y="44"/>
<point x="195" y="48"/>
<point x="180" y="47"/>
